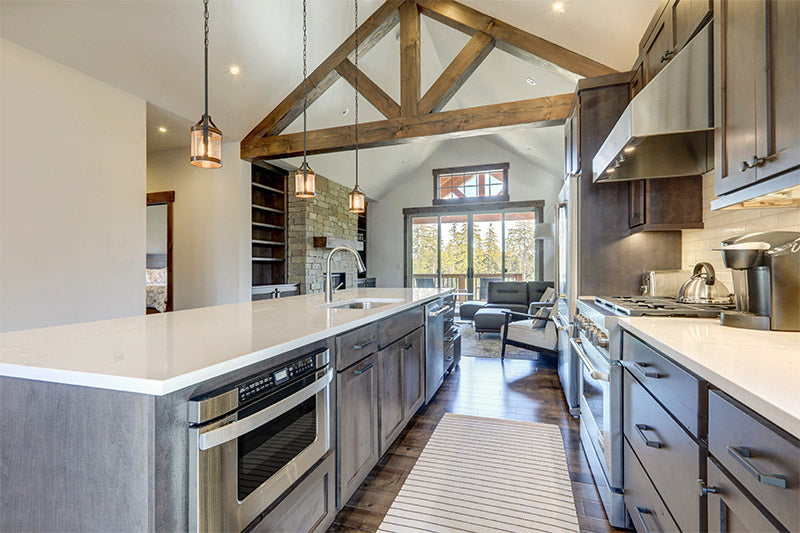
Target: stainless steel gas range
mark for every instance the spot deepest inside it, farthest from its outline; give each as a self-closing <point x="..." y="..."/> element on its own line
<point x="598" y="346"/>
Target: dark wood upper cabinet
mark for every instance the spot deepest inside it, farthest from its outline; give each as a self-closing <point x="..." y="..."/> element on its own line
<point x="757" y="100"/>
<point x="674" y="24"/>
<point x="666" y="204"/>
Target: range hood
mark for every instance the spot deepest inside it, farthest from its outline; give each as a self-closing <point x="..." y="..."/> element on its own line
<point x="667" y="129"/>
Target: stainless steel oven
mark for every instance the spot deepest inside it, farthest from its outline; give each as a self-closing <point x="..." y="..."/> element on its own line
<point x="251" y="441"/>
<point x="601" y="411"/>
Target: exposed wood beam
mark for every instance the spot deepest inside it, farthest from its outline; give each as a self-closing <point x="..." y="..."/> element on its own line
<point x="369" y="89"/>
<point x="514" y="40"/>
<point x="409" y="58"/>
<point x="544" y="111"/>
<point x="380" y="23"/>
<point x="456" y="73"/>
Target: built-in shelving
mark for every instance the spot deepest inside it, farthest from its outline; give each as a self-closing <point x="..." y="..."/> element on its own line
<point x="268" y="227"/>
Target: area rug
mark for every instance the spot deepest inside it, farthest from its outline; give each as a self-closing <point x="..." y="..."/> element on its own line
<point x="489" y="345"/>
<point x="484" y="475"/>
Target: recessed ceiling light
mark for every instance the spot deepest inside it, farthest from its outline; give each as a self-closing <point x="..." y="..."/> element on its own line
<point x="162" y="129"/>
<point x="558" y="7"/>
<point x="530" y="81"/>
<point x="235" y="70"/>
<point x="344" y="111"/>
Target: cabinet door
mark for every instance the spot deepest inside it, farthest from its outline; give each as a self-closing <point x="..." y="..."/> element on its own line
<point x="636" y="215"/>
<point x="659" y="48"/>
<point x="637" y="80"/>
<point x="390" y="374"/>
<point x="729" y="510"/>
<point x="778" y="87"/>
<point x="413" y="373"/>
<point x="688" y="16"/>
<point x="357" y="424"/>
<point x="738" y="30"/>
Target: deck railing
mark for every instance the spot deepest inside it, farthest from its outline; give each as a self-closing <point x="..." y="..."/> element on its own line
<point x="458" y="282"/>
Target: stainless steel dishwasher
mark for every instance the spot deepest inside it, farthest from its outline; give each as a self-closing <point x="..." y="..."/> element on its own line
<point x="434" y="346"/>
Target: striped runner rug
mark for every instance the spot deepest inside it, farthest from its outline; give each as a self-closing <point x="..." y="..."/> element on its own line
<point x="482" y="474"/>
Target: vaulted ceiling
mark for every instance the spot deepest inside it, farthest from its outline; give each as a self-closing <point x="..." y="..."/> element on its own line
<point x="154" y="50"/>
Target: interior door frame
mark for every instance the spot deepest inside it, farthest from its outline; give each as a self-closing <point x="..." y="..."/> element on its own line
<point x="537" y="206"/>
<point x="166" y="198"/>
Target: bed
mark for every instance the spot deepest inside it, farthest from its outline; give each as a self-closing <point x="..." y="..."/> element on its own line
<point x="156" y="283"/>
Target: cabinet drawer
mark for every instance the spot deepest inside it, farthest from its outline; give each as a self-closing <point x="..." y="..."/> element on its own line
<point x="354" y="345"/>
<point x="729" y="510"/>
<point x="679" y="391"/>
<point x="749" y="447"/>
<point x="668" y="454"/>
<point x="309" y="507"/>
<point x="645" y="506"/>
<point x="395" y="327"/>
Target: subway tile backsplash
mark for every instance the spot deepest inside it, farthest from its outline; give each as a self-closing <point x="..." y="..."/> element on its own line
<point x="720" y="225"/>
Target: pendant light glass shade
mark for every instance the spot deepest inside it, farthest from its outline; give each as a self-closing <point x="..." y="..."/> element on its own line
<point x="305" y="182"/>
<point x="357" y="203"/>
<point x="202" y="156"/>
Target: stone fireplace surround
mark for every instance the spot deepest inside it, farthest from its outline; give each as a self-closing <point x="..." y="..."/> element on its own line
<point x="323" y="216"/>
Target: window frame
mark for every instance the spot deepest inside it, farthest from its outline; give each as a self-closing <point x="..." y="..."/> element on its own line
<point x="471" y="169"/>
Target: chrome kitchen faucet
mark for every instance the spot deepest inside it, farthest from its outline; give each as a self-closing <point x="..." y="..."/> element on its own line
<point x="328" y="283"/>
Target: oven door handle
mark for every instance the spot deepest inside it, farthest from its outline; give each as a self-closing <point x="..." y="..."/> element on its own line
<point x="234" y="430"/>
<point x="596" y="374"/>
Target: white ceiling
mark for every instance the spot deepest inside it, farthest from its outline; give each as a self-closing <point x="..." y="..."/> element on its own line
<point x="153" y="49"/>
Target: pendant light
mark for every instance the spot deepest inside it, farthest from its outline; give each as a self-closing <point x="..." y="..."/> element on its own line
<point x="356" y="201"/>
<point x="305" y="179"/>
<point x="206" y="138"/>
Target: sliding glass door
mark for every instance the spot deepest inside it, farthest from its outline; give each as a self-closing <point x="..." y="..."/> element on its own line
<point x="465" y="251"/>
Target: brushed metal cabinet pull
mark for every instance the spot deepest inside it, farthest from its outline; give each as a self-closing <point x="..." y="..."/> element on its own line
<point x="703" y="489"/>
<point x="742" y="456"/>
<point x="363" y="344"/>
<point x="744" y="165"/>
<point x="643" y="511"/>
<point x="640" y="429"/>
<point x="408" y="346"/>
<point x="362" y="370"/>
<point x="642" y="368"/>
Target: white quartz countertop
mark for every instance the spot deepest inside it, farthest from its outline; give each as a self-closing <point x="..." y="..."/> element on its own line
<point x="761" y="369"/>
<point x="161" y="353"/>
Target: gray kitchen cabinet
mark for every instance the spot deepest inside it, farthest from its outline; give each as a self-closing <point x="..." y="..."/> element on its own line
<point x="729" y="509"/>
<point x="390" y="372"/>
<point x="413" y="354"/>
<point x="358" y="443"/>
<point x="648" y="511"/>
<point x="756" y="76"/>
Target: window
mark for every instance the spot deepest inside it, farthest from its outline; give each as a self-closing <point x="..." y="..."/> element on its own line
<point x="482" y="183"/>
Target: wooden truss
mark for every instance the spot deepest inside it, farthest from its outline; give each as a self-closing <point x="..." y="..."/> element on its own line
<point x="418" y="116"/>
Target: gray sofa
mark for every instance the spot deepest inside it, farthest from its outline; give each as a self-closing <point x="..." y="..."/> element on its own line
<point x="503" y="296"/>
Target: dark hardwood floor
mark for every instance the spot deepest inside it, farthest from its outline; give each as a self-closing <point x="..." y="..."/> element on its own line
<point x="514" y="390"/>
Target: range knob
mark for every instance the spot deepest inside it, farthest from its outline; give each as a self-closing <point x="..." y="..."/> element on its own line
<point x="602" y="340"/>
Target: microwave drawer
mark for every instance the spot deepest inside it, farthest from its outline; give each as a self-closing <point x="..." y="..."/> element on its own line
<point x="729" y="510"/>
<point x="680" y="392"/>
<point x="764" y="459"/>
<point x="353" y="346"/>
<point x="667" y="453"/>
<point x="647" y="509"/>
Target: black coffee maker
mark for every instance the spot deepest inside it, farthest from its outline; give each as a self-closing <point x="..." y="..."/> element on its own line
<point x="766" y="280"/>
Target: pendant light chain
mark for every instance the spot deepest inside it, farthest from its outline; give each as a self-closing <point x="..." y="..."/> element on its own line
<point x="305" y="75"/>
<point x="356" y="84"/>
<point x="205" y="45"/>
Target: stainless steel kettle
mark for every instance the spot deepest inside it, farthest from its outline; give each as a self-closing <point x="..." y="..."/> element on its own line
<point x="703" y="287"/>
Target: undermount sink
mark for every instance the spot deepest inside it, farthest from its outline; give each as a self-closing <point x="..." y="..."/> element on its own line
<point x="361" y="303"/>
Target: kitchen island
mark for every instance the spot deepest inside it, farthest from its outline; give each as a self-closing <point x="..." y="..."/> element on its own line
<point x="94" y="417"/>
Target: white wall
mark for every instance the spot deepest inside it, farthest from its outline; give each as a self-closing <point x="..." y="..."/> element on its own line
<point x="385" y="217"/>
<point x="726" y="223"/>
<point x="211" y="226"/>
<point x="72" y="195"/>
<point x="157" y="229"/>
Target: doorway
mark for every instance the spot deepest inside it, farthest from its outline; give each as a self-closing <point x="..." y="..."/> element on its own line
<point x="466" y="250"/>
<point x="158" y="276"/>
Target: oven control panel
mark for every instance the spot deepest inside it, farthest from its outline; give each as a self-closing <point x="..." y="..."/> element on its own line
<point x="595" y="334"/>
<point x="276" y="377"/>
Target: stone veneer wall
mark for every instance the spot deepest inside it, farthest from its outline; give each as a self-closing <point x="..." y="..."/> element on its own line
<point x="323" y="216"/>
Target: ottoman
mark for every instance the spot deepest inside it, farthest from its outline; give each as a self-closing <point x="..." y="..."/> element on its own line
<point x="469" y="308"/>
<point x="489" y="320"/>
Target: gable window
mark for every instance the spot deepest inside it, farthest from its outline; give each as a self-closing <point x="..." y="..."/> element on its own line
<point x="479" y="183"/>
